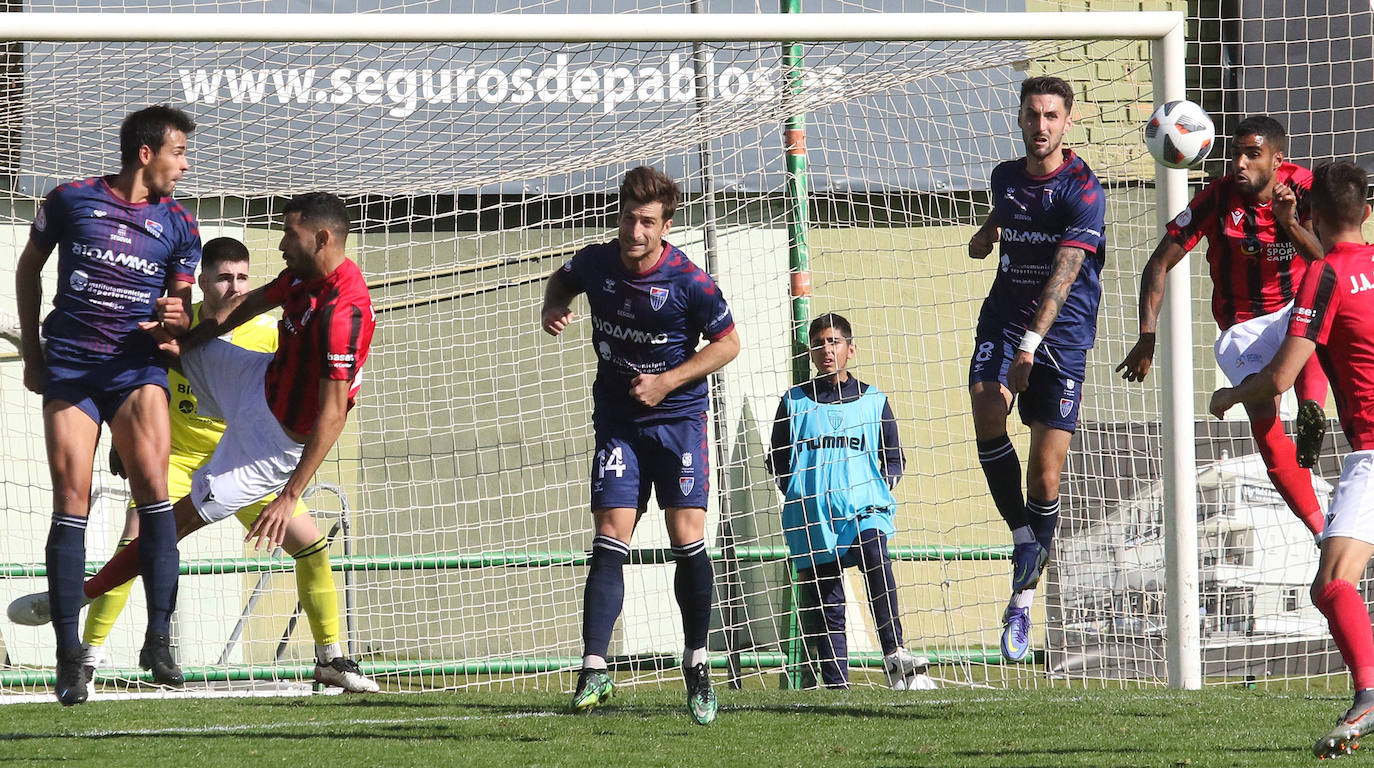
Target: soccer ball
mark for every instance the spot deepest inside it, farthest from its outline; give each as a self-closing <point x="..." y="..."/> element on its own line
<point x="1180" y="134"/>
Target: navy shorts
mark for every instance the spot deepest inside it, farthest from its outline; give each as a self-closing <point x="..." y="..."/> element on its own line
<point x="99" y="390"/>
<point x="1056" y="381"/>
<point x="669" y="456"/>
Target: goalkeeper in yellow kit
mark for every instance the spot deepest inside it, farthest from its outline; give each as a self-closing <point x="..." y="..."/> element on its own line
<point x="224" y="276"/>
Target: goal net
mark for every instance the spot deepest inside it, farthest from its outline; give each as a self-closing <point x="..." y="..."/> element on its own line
<point x="459" y="493"/>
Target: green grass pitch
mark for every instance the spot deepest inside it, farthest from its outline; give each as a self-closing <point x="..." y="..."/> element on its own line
<point x="649" y="727"/>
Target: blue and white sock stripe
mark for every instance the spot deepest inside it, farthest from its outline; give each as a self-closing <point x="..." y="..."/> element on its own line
<point x="997" y="451"/>
<point x="156" y="507"/>
<point x="70" y="521"/>
<point x="1042" y="508"/>
<point x="611" y="544"/>
<point x="689" y="550"/>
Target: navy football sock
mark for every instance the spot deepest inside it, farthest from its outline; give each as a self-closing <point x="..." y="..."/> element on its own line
<point x="1002" y="467"/>
<point x="66" y="561"/>
<point x="1043" y="518"/>
<point x="604" y="594"/>
<point x="159" y="562"/>
<point x="692" y="585"/>
<point x="882" y="588"/>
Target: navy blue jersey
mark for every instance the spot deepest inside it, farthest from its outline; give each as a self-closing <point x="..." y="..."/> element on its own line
<point x="114" y="260"/>
<point x="1037" y="215"/>
<point x="646" y="323"/>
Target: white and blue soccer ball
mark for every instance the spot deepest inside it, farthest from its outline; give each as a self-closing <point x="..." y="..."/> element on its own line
<point x="1180" y="134"/>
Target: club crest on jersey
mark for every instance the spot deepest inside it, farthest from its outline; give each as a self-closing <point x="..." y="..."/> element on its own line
<point x="684" y="484"/>
<point x="835" y="418"/>
<point x="154" y="228"/>
<point x="657" y="297"/>
<point x="1065" y="406"/>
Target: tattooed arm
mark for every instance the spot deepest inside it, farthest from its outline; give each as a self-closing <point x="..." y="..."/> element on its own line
<point x="1063" y="273"/>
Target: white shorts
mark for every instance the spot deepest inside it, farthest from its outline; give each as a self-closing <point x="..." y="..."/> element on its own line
<point x="1352" y="508"/>
<point x="1247" y="347"/>
<point x="255" y="457"/>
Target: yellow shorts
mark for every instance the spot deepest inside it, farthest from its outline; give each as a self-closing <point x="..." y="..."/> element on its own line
<point x="179" y="487"/>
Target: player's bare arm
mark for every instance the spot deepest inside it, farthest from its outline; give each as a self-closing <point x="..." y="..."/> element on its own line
<point x="174" y="309"/>
<point x="1276" y="377"/>
<point x="1063" y="273"/>
<point x="1285" y="207"/>
<point x="270" y="527"/>
<point x="1152" y="281"/>
<point x="980" y="245"/>
<point x="251" y="305"/>
<point x="650" y="388"/>
<point x="28" y="285"/>
<point x="557" y="313"/>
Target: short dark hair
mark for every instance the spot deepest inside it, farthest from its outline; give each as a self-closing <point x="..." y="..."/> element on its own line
<point x="1047" y="85"/>
<point x="322" y="209"/>
<point x="645" y="185"/>
<point x="1340" y="192"/>
<point x="831" y="320"/>
<point x="221" y="249"/>
<point x="1263" y="125"/>
<point x="148" y="128"/>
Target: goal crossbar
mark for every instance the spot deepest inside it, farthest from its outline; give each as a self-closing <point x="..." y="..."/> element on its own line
<point x="592" y="27"/>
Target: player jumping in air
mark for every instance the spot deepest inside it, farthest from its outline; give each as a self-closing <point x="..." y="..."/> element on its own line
<point x="1258" y="250"/>
<point x="1333" y="316"/>
<point x="650" y="306"/>
<point x="122" y="243"/>
<point x="1035" y="330"/>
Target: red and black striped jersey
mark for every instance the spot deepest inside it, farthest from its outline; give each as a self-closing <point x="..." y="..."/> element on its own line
<point x="324" y="333"/>
<point x="1335" y="309"/>
<point x="1255" y="268"/>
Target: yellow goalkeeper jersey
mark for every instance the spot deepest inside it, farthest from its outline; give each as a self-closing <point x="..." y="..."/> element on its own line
<point x="194" y="436"/>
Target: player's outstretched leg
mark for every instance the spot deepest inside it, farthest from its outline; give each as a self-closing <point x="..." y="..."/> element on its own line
<point x="594" y="687"/>
<point x="1310" y="430"/>
<point x="71" y="682"/>
<point x="1345" y="737"/>
<point x="32" y="610"/>
<point x="701" y="698"/>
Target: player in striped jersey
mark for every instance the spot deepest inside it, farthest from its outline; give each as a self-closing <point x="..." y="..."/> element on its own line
<point x="127" y="253"/>
<point x="1333" y="316"/>
<point x="837" y="457"/>
<point x="1034" y="331"/>
<point x="1258" y="249"/>
<point x="223" y="278"/>
<point x="284" y="411"/>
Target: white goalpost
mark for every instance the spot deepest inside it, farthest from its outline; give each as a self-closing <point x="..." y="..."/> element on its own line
<point x="479" y="151"/>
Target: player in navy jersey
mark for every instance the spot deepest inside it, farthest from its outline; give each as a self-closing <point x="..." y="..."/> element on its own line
<point x="650" y="307"/>
<point x="1333" y="316"/>
<point x="127" y="254"/>
<point x="1258" y="250"/>
<point x="1035" y="330"/>
<point x="837" y="456"/>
